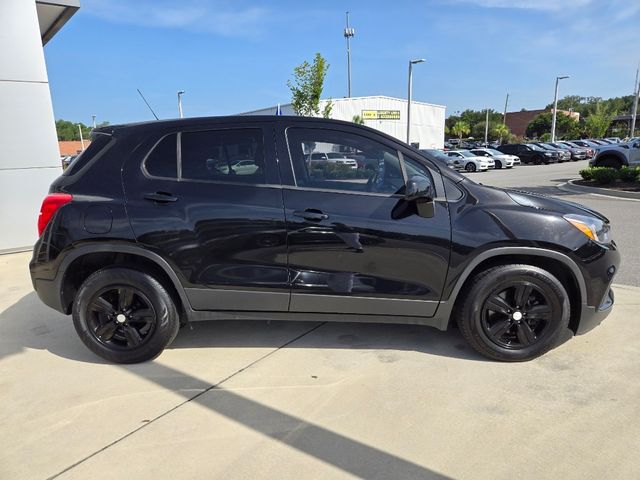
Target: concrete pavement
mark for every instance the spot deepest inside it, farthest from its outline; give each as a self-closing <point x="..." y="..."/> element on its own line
<point x="308" y="400"/>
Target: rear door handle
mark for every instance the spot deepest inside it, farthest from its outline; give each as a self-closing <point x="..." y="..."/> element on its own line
<point x="160" y="197"/>
<point x="311" y="214"/>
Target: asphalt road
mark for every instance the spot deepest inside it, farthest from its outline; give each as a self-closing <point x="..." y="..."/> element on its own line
<point x="624" y="214"/>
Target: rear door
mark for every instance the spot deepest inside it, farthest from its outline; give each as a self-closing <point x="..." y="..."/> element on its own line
<point x="355" y="244"/>
<point x="209" y="201"/>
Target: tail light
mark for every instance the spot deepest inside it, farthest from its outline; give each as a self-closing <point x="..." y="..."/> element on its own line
<point x="50" y="206"/>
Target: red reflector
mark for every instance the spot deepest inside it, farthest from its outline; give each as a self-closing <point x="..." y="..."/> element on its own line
<point x="50" y="205"/>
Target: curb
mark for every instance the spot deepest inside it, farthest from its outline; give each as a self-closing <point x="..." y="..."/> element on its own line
<point x="569" y="186"/>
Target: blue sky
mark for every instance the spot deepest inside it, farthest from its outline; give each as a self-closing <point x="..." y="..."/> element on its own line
<point x="234" y="56"/>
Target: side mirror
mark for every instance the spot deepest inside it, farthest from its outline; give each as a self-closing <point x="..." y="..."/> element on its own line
<point x="419" y="188"/>
<point x="636" y="145"/>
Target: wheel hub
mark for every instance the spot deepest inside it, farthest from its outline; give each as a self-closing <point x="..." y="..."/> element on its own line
<point x="121" y="318"/>
<point x="517" y="316"/>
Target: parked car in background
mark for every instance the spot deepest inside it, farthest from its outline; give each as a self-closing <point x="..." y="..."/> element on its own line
<point x="565" y="155"/>
<point x="441" y="156"/>
<point x="591" y="151"/>
<point x="501" y="160"/>
<point x="618" y="156"/>
<point x="586" y="143"/>
<point x="142" y="236"/>
<point x="465" y="160"/>
<point x="530" y="153"/>
<point x="614" y="139"/>
<point x="577" y="153"/>
<point x="66" y="161"/>
<point x="334" y="157"/>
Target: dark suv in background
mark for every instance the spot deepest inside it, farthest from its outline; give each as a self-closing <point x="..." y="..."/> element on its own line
<point x="530" y="153"/>
<point x="164" y="223"/>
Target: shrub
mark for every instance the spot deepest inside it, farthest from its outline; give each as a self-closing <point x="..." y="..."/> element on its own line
<point x="629" y="174"/>
<point x="604" y="175"/>
<point x="586" y="174"/>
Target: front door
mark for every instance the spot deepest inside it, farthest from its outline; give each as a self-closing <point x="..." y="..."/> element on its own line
<point x="209" y="201"/>
<point x="355" y="244"/>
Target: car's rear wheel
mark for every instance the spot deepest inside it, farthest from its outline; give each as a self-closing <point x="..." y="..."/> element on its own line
<point x="498" y="164"/>
<point x="513" y="312"/>
<point x="124" y="315"/>
<point x="470" y="167"/>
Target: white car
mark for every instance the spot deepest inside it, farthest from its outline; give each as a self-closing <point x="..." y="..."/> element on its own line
<point x="469" y="162"/>
<point x="501" y="160"/>
<point x="333" y="157"/>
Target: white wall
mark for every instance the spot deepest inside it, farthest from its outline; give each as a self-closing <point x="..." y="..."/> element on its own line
<point x="427" y="120"/>
<point x="29" y="157"/>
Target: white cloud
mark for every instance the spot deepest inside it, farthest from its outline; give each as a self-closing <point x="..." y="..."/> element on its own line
<point x="218" y="17"/>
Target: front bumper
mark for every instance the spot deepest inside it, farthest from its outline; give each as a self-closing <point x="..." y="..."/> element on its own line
<point x="591" y="317"/>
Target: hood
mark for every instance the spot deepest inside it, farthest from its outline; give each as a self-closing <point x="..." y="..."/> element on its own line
<point x="551" y="204"/>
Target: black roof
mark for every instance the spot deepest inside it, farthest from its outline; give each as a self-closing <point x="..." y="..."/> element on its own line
<point x="199" y="121"/>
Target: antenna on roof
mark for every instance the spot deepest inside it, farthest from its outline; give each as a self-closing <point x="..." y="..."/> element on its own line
<point x="147" y="103"/>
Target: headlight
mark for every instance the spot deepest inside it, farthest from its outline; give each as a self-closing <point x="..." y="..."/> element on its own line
<point x="592" y="227"/>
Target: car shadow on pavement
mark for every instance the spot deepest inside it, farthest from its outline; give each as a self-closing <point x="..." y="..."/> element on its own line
<point x="30" y="324"/>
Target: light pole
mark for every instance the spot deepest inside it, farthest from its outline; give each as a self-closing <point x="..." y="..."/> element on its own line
<point x="410" y="87"/>
<point x="348" y="34"/>
<point x="555" y="109"/>
<point x="180" y="93"/>
<point x="94" y="121"/>
<point x="634" y="112"/>
<point x="486" y="130"/>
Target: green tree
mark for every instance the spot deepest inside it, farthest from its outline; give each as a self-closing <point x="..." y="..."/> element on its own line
<point x="566" y="126"/>
<point x="358" y="119"/>
<point x="500" y="132"/>
<point x="306" y="87"/>
<point x="326" y="111"/>
<point x="67" y="130"/>
<point x="461" y="128"/>
<point x="597" y="124"/>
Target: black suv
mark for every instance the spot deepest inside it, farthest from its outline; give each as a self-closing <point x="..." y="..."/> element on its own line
<point x="530" y="153"/>
<point x="160" y="224"/>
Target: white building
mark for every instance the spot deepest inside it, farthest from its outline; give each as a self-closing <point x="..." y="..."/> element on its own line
<point x="29" y="158"/>
<point x="387" y="114"/>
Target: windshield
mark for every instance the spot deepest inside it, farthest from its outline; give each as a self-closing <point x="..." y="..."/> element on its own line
<point x="437" y="154"/>
<point x="534" y="147"/>
<point x="493" y="152"/>
<point x="466" y="153"/>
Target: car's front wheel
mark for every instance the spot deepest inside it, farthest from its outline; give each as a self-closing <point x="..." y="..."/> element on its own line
<point x="498" y="164"/>
<point x="470" y="167"/>
<point x="125" y="315"/>
<point x="513" y="312"/>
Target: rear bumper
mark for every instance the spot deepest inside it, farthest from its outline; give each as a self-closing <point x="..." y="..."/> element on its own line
<point x="49" y="292"/>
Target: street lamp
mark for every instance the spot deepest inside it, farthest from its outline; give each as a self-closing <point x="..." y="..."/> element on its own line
<point x="348" y="34"/>
<point x="180" y="93"/>
<point x="555" y="109"/>
<point x="411" y="64"/>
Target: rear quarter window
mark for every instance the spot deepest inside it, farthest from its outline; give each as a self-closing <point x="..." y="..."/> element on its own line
<point x="100" y="142"/>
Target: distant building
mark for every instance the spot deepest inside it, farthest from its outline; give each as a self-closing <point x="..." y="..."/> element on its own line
<point x="387" y="114"/>
<point x="30" y="159"/>
<point x="518" y="121"/>
<point x="71" y="147"/>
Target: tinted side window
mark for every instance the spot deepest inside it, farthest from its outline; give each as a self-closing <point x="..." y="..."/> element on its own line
<point x="223" y="155"/>
<point x="99" y="142"/>
<point x="355" y="163"/>
<point x="162" y="161"/>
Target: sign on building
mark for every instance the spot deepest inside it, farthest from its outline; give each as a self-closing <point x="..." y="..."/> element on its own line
<point x="381" y="114"/>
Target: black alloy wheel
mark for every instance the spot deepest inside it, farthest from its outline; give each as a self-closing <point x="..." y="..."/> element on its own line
<point x="470" y="167"/>
<point x="121" y="317"/>
<point x="513" y="312"/>
<point x="125" y="315"/>
<point x="516" y="316"/>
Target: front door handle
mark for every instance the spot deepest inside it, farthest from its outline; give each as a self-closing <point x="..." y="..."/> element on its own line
<point x="160" y="197"/>
<point x="311" y="214"/>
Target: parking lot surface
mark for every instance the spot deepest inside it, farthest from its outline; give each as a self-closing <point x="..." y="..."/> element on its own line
<point x="312" y="400"/>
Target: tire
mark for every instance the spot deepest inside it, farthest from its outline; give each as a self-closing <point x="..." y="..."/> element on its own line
<point x="470" y="167"/>
<point x="124" y="315"/>
<point x="611" y="162"/>
<point x="498" y="164"/>
<point x="524" y="333"/>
